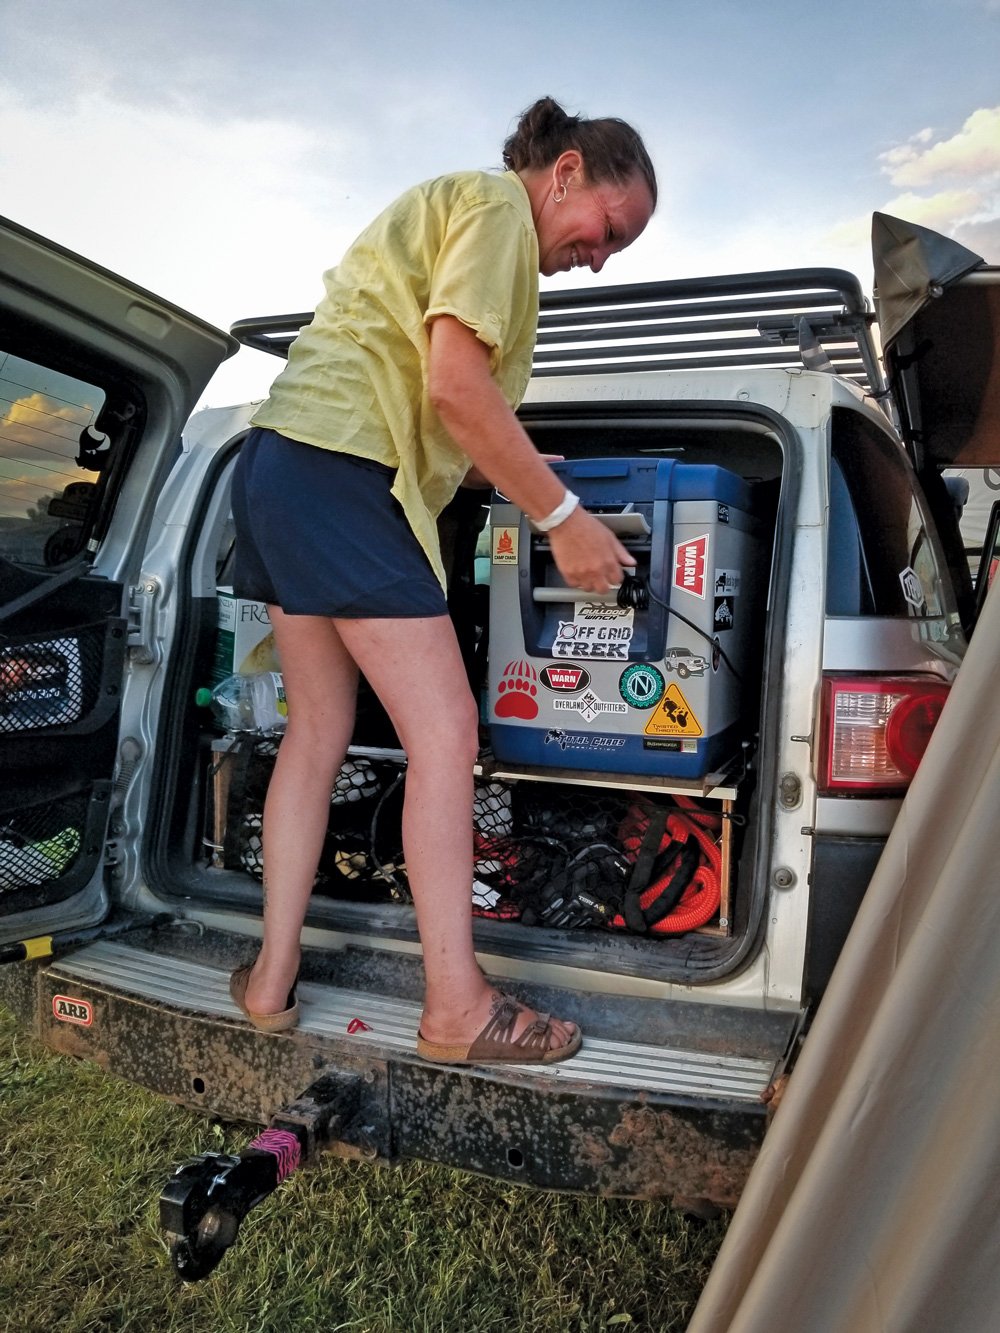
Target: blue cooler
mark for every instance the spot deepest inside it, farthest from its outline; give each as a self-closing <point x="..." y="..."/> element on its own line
<point x="577" y="681"/>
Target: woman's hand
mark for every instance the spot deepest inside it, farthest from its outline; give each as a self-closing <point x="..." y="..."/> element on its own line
<point x="587" y="554"/>
<point x="471" y="407"/>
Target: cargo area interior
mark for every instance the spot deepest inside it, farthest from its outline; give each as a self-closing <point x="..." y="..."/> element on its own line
<point x="579" y="860"/>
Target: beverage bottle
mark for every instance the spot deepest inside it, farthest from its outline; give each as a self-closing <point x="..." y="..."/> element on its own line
<point x="248" y="703"/>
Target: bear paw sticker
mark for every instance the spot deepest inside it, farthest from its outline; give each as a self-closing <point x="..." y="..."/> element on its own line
<point x="517" y="690"/>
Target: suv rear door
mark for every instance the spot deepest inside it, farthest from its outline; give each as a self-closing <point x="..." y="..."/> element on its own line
<point x="96" y="381"/>
<point x="939" y="317"/>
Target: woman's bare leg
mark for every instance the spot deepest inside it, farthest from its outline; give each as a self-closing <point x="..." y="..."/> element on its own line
<point x="321" y="683"/>
<point x="416" y="669"/>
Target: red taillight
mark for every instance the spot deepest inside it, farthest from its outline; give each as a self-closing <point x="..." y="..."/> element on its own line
<point x="875" y="731"/>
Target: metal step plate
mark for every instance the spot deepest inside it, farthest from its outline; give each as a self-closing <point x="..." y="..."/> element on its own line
<point x="330" y="1012"/>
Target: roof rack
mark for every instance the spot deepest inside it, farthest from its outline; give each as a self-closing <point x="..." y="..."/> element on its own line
<point x="812" y="317"/>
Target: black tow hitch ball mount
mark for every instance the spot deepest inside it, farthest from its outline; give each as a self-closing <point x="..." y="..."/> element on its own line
<point x="207" y="1198"/>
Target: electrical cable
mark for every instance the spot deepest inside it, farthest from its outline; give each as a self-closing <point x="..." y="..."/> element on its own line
<point x="634" y="593"/>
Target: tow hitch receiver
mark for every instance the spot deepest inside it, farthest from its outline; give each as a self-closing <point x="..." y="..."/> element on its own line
<point x="207" y="1198"/>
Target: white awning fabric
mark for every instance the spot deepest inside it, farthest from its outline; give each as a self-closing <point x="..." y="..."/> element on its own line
<point x="874" y="1206"/>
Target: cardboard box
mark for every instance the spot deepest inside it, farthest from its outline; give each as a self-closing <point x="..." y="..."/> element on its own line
<point x="245" y="642"/>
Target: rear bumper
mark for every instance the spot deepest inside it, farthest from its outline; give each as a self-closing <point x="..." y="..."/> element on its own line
<point x="621" y="1119"/>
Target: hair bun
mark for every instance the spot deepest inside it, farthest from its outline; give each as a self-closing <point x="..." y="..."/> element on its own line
<point x="610" y="148"/>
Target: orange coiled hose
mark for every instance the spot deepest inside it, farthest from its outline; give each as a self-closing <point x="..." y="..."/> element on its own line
<point x="700" y="900"/>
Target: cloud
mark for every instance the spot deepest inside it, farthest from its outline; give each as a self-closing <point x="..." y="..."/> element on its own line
<point x="224" y="215"/>
<point x="973" y="154"/>
<point x="954" y="186"/>
<point x="42" y="415"/>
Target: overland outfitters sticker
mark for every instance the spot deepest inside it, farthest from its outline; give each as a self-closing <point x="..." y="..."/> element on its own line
<point x="690" y="561"/>
<point x="70" y="1010"/>
<point x="641" y="685"/>
<point x="596" y="630"/>
<point x="588" y="706"/>
<point x="504" y="546"/>
<point x="673" y="717"/>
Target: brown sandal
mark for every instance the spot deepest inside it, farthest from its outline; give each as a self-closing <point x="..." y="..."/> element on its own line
<point x="496" y="1044"/>
<point x="287" y="1018"/>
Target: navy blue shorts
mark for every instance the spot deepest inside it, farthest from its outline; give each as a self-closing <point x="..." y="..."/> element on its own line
<point x="319" y="533"/>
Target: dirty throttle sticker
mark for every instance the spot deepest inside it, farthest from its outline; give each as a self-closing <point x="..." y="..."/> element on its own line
<point x="673" y="716"/>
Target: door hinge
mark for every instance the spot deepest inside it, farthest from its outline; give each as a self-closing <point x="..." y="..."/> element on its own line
<point x="145" y="627"/>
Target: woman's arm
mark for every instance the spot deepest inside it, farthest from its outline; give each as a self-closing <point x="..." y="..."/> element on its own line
<point x="481" y="422"/>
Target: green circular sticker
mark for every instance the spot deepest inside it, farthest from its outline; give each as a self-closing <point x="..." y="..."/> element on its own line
<point x="641" y="685"/>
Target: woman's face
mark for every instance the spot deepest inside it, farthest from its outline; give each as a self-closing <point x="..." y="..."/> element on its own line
<point x="590" y="223"/>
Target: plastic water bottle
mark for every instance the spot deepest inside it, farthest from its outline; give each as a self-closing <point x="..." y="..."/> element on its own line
<point x="248" y="703"/>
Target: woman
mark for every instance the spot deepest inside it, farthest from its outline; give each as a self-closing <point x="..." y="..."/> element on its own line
<point x="401" y="388"/>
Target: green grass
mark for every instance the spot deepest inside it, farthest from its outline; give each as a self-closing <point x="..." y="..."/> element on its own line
<point x="340" y="1247"/>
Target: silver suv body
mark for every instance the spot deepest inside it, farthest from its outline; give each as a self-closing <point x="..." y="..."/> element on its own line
<point x="129" y="855"/>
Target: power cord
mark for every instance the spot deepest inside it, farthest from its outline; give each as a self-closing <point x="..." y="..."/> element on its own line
<point x="635" y="594"/>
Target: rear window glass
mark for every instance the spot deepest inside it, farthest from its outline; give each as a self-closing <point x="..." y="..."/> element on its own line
<point x="884" y="555"/>
<point x="51" y="456"/>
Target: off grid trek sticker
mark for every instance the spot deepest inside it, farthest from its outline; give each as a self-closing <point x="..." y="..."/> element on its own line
<point x="597" y="630"/>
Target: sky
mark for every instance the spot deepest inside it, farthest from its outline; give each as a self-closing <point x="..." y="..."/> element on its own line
<point x="224" y="153"/>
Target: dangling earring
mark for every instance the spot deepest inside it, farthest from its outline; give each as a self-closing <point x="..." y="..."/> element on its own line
<point x="559" y="195"/>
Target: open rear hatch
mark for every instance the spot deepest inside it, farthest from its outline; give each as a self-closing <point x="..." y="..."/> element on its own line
<point x="939" y="316"/>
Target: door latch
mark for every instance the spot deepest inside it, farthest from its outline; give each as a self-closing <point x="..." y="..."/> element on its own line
<point x="145" y="628"/>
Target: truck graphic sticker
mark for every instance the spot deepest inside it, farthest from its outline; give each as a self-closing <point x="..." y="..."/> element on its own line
<point x="673" y="716"/>
<point x="690" y="561"/>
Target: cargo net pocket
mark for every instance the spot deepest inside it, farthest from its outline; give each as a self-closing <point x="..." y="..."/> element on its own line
<point x="348" y="867"/>
<point x="553" y="855"/>
<point x="39" y="846"/>
<point x="50" y="682"/>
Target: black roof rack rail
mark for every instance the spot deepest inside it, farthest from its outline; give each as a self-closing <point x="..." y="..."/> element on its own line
<point x="812" y="317"/>
<point x="270" y="333"/>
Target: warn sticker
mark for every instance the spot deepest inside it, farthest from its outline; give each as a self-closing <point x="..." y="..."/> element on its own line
<point x="564" y="678"/>
<point x="69" y="1010"/>
<point x="690" y="559"/>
